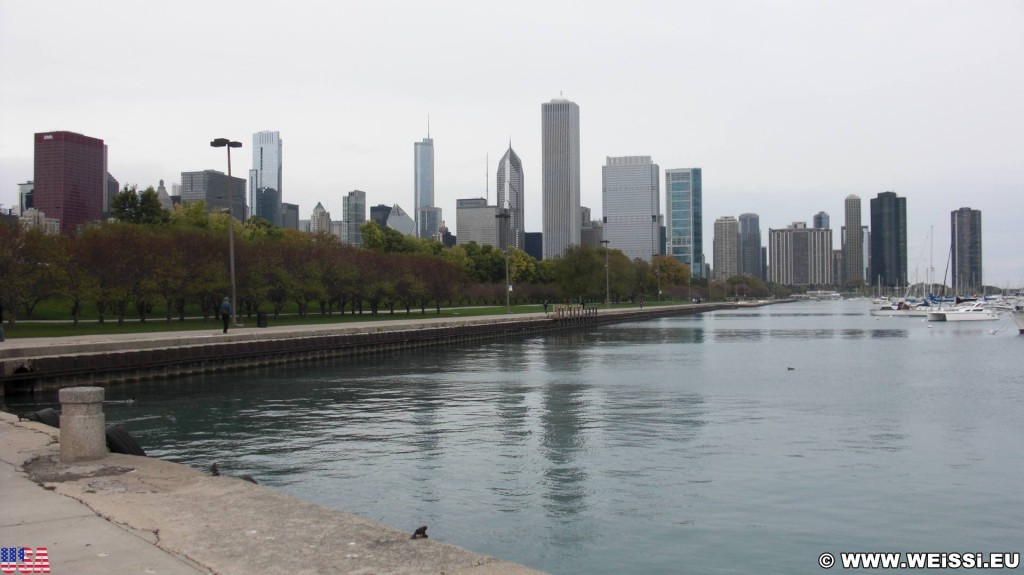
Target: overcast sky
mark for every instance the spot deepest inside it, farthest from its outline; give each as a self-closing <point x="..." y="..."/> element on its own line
<point x="788" y="106"/>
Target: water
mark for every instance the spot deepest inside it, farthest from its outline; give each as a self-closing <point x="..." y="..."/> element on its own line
<point x="673" y="445"/>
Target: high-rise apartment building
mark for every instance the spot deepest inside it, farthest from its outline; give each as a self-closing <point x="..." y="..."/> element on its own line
<point x="630" y="198"/>
<point x="423" y="186"/>
<point x="750" y="246"/>
<point x="684" y="218"/>
<point x="475" y="221"/>
<point x="821" y="221"/>
<point x="965" y="228"/>
<point x="70" y="178"/>
<point x="211" y="186"/>
<point x="853" y="244"/>
<point x="353" y="215"/>
<point x="800" y="256"/>
<point x="266" y="174"/>
<point x="888" y="240"/>
<point x="511" y="197"/>
<point x="726" y="246"/>
<point x="560" y="190"/>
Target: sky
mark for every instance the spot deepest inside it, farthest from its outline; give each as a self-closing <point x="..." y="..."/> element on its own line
<point x="787" y="106"/>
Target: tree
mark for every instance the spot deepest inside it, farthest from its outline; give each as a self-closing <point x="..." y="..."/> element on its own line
<point x="130" y="207"/>
<point x="579" y="273"/>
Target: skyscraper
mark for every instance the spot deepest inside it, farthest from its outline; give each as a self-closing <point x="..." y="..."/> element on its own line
<point x="853" y="244"/>
<point x="353" y="215"/>
<point x="965" y="228"/>
<point x="888" y="240"/>
<point x="266" y="174"/>
<point x="25" y="196"/>
<point x="475" y="222"/>
<point x="70" y="178"/>
<point x="211" y="186"/>
<point x="560" y="148"/>
<point x="821" y="221"/>
<point x="630" y="197"/>
<point x="800" y="256"/>
<point x="726" y="246"/>
<point x="750" y="246"/>
<point x="423" y="186"/>
<point x="684" y="218"/>
<point x="320" y="220"/>
<point x="511" y="197"/>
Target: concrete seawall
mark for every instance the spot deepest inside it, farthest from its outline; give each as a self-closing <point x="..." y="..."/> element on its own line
<point x="127" y="514"/>
<point x="52" y="363"/>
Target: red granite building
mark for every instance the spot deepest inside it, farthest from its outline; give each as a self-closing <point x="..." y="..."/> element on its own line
<point x="70" y="178"/>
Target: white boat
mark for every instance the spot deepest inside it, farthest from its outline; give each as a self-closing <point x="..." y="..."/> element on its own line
<point x="975" y="311"/>
<point x="904" y="309"/>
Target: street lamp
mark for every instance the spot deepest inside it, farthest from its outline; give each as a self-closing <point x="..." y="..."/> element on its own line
<point x="226" y="143"/>
<point x="607" y="299"/>
<point x="505" y="215"/>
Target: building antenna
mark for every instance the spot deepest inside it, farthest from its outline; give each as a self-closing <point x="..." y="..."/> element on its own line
<point x="428" y="125"/>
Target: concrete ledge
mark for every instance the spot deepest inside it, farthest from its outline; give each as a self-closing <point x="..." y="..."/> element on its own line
<point x="175" y="519"/>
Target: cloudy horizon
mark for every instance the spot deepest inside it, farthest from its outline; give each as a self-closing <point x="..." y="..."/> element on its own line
<point x="788" y="106"/>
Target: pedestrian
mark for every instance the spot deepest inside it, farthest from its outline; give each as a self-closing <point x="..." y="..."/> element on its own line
<point x="225" y="312"/>
<point x="545" y="306"/>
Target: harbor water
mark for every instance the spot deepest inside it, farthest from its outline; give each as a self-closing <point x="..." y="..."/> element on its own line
<point x="744" y="441"/>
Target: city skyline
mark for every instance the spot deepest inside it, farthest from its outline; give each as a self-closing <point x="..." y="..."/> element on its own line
<point x="796" y="105"/>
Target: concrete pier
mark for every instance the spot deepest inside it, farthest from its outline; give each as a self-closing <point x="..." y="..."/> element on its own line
<point x="82" y="424"/>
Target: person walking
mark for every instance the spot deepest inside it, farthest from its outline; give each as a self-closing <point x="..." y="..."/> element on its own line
<point x="225" y="312"/>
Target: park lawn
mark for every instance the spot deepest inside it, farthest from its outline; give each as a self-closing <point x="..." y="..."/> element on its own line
<point x="46" y="323"/>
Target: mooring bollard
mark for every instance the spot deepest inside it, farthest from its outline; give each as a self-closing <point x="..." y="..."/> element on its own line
<point x="82" y="425"/>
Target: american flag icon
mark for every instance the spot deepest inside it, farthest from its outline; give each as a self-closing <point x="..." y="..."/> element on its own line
<point x="24" y="560"/>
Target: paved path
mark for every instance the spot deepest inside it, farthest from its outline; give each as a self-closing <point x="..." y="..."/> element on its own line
<point x="126" y="515"/>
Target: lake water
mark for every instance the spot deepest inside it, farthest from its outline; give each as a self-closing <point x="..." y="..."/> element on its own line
<point x="746" y="441"/>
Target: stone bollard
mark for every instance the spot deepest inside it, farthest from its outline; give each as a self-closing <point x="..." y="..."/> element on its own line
<point x="82" y="425"/>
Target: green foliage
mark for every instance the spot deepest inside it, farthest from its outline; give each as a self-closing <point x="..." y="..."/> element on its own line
<point x="130" y="207"/>
<point x="580" y="274"/>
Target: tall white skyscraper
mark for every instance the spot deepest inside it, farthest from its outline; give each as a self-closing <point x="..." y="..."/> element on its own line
<point x="630" y="197"/>
<point x="266" y="175"/>
<point x="510" y="197"/>
<point x="560" y="134"/>
<point x="726" y="246"/>
<point x="423" y="187"/>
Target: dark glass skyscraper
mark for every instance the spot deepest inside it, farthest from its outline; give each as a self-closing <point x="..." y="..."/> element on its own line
<point x="965" y="228"/>
<point x="750" y="246"/>
<point x="684" y="218"/>
<point x="70" y="178"/>
<point x="889" y="240"/>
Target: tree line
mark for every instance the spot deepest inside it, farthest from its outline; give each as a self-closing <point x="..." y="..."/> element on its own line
<point x="179" y="260"/>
